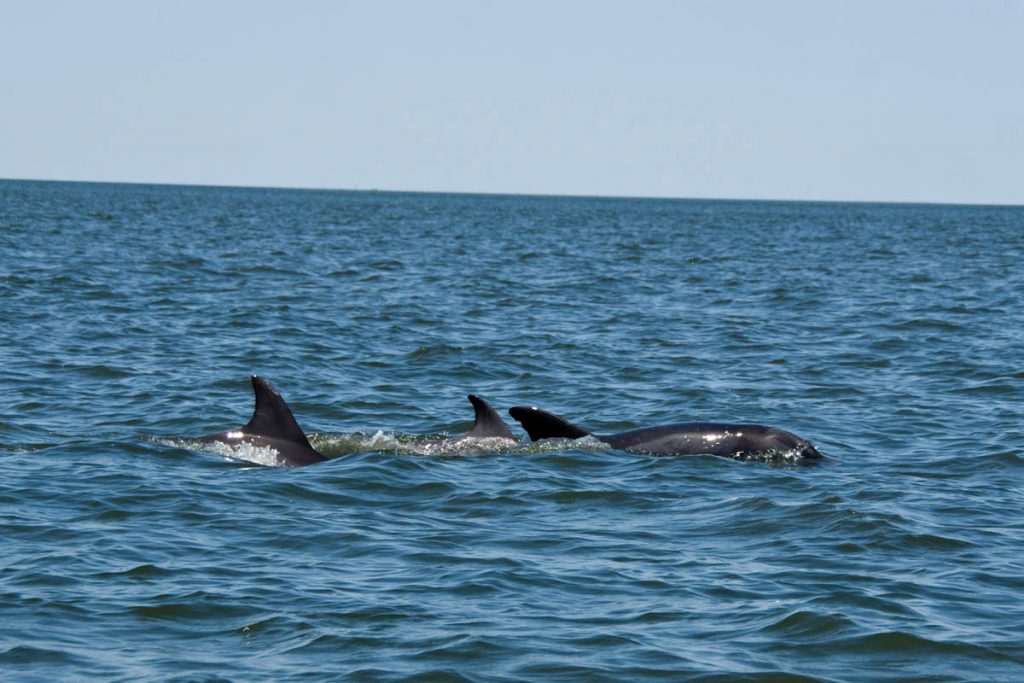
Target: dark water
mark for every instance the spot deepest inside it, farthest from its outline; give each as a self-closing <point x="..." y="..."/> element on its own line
<point x="890" y="336"/>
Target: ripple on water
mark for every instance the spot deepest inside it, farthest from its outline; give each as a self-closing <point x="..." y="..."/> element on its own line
<point x="132" y="553"/>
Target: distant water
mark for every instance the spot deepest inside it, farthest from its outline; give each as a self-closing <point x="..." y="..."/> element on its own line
<point x="892" y="336"/>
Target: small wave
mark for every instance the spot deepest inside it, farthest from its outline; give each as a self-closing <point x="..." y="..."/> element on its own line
<point x="435" y="351"/>
<point x="141" y="572"/>
<point x="1013" y="458"/>
<point x="25" y="448"/>
<point x="26" y="654"/>
<point x="334" y="445"/>
<point x="903" y="643"/>
<point x="464" y="446"/>
<point x="243" y="451"/>
<point x="407" y="444"/>
<point x="586" y="443"/>
<point x="805" y="624"/>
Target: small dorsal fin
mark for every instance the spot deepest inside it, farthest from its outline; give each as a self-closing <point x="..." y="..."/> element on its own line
<point x="488" y="422"/>
<point x="540" y="424"/>
<point x="272" y="416"/>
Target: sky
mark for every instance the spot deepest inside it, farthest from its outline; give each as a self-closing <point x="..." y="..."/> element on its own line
<point x="899" y="100"/>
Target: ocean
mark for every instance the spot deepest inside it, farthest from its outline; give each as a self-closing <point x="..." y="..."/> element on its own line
<point x="890" y="336"/>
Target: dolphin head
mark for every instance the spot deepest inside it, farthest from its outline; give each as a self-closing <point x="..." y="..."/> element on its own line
<point x="807" y="450"/>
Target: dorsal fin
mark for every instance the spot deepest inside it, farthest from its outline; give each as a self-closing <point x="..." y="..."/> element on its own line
<point x="272" y="416"/>
<point x="488" y="422"/>
<point x="540" y="424"/>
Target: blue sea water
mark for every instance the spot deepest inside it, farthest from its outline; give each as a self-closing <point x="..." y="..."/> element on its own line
<point x="131" y="316"/>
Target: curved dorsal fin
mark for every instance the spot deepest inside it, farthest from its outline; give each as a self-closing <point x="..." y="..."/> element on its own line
<point x="487" y="422"/>
<point x="272" y="416"/>
<point x="540" y="424"/>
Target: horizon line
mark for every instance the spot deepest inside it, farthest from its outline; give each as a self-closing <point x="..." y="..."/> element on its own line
<point x="549" y="195"/>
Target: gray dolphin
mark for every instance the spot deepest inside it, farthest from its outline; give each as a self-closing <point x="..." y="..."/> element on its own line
<point x="487" y="426"/>
<point x="272" y="426"/>
<point x="690" y="438"/>
<point x="486" y="423"/>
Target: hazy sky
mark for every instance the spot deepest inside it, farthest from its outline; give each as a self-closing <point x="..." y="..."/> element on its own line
<point x="897" y="100"/>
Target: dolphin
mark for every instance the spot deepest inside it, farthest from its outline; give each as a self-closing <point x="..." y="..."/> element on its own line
<point x="486" y="423"/>
<point x="690" y="438"/>
<point x="272" y="426"/>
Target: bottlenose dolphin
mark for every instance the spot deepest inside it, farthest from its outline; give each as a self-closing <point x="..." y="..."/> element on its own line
<point x="486" y="423"/>
<point x="272" y="426"/>
<point x="691" y="438"/>
<point x="489" y="432"/>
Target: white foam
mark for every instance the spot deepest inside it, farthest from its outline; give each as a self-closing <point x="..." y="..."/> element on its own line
<point x="258" y="455"/>
<point x="410" y="444"/>
<point x="381" y="441"/>
<point x="334" y="445"/>
<point x="585" y="443"/>
<point x="465" y="446"/>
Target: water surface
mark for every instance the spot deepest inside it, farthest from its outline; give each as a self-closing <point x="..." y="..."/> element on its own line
<point x="889" y="335"/>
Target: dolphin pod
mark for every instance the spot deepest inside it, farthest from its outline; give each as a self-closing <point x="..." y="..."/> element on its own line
<point x="690" y="438"/>
<point x="273" y="426"/>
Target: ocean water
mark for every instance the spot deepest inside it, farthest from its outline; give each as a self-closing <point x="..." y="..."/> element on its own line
<point x="131" y="316"/>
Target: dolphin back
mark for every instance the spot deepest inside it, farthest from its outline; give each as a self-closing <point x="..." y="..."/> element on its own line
<point x="272" y="426"/>
<point x="540" y="424"/>
<point x="272" y="417"/>
<point x="487" y="423"/>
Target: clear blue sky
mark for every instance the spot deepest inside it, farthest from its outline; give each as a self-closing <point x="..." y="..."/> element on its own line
<point x="900" y="100"/>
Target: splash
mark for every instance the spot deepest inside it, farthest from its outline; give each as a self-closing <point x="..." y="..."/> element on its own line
<point x="410" y="444"/>
<point x="245" y="452"/>
<point x="777" y="457"/>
